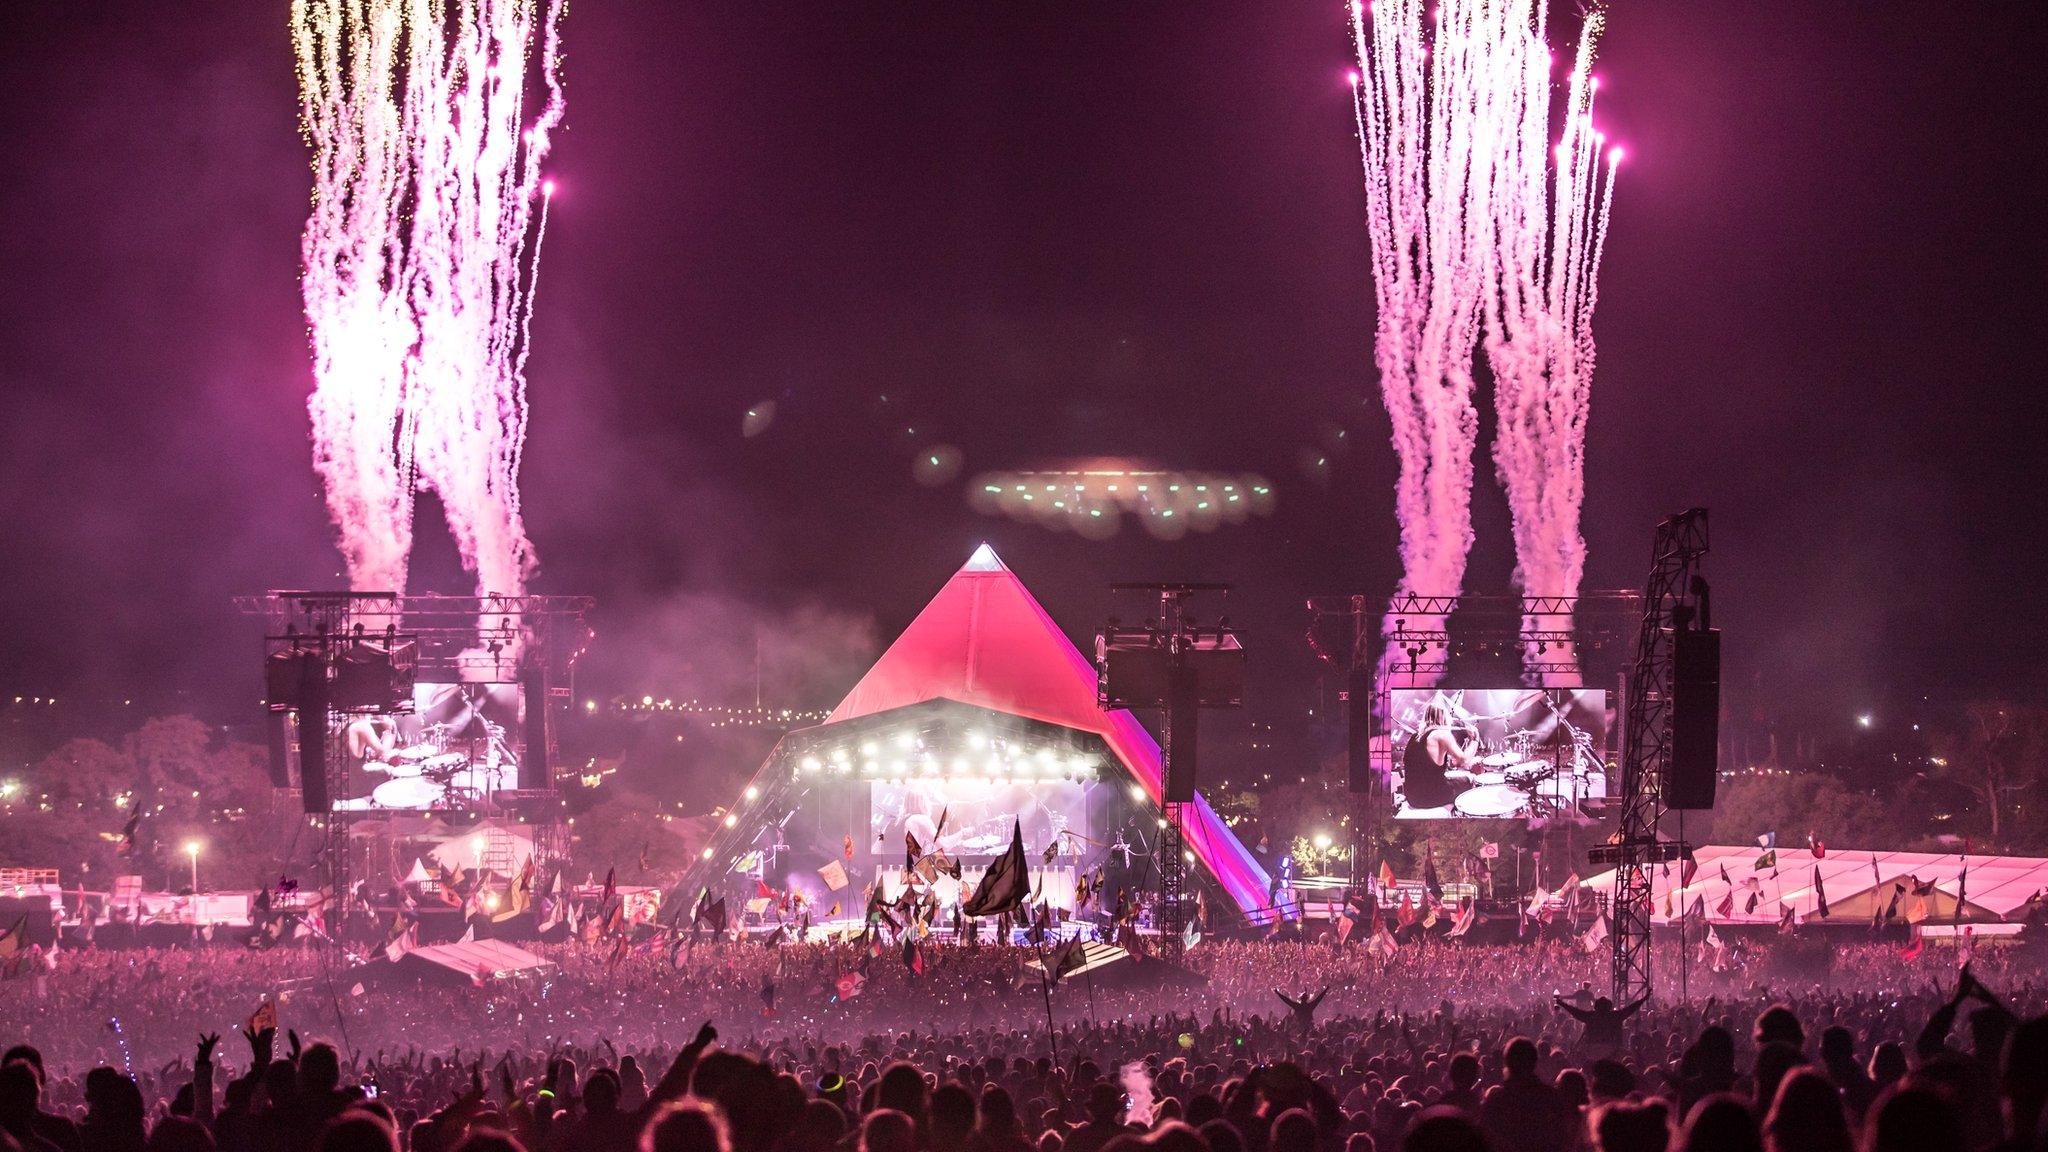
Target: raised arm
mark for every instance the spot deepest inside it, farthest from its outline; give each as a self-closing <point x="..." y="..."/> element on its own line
<point x="676" y="1082"/>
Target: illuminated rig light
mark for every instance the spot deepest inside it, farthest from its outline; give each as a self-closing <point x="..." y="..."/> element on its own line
<point x="1092" y="499"/>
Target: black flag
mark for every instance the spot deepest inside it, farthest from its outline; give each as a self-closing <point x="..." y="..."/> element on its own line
<point x="1429" y="880"/>
<point x="1068" y="957"/>
<point x="1005" y="885"/>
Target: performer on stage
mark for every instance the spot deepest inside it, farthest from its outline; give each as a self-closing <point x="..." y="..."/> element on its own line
<point x="1433" y="768"/>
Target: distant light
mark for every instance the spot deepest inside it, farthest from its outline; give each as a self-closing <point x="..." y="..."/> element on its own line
<point x="1138" y="792"/>
<point x="732" y="820"/>
<point x="1322" y="841"/>
<point x="192" y="847"/>
<point x="1865" y="720"/>
<point x="707" y="854"/>
<point x="590" y="705"/>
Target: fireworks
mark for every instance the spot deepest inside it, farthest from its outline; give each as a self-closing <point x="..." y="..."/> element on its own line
<point x="421" y="256"/>
<point x="1473" y="230"/>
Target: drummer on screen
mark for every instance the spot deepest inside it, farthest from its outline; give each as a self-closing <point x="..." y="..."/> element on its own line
<point x="1433" y="769"/>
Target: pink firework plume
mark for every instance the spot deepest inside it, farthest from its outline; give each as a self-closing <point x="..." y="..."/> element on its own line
<point x="1452" y="114"/>
<point x="421" y="255"/>
<point x="1552" y="207"/>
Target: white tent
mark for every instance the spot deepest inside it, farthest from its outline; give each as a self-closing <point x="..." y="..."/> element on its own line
<point x="1858" y="883"/>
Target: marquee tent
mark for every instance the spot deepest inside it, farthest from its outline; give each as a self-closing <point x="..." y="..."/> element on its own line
<point x="1858" y="884"/>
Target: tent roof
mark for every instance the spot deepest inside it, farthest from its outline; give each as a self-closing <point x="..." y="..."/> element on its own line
<point x="467" y="960"/>
<point x="984" y="640"/>
<point x="1858" y="882"/>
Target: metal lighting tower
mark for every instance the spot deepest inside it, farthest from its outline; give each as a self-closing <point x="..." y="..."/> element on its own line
<point x="1180" y="667"/>
<point x="1670" y="603"/>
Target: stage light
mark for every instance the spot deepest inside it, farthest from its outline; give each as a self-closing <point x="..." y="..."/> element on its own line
<point x="732" y="820"/>
<point x="869" y="767"/>
<point x="868" y="748"/>
<point x="707" y="854"/>
<point x="491" y="901"/>
<point x="905" y="739"/>
<point x="811" y="764"/>
<point x="1138" y="793"/>
<point x="839" y="756"/>
<point x="1865" y="720"/>
<point x="192" y="847"/>
<point x="976" y="739"/>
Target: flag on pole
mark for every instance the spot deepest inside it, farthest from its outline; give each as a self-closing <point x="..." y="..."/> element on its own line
<point x="1006" y="883"/>
<point x="1467" y="915"/>
<point x="1429" y="878"/>
<point x="1068" y="957"/>
<point x="1768" y="860"/>
<point x="1386" y="876"/>
<point x="1690" y="868"/>
<point x="1489" y="850"/>
<point x="1820" y="894"/>
<point x="1595" y="936"/>
<point x="833" y="874"/>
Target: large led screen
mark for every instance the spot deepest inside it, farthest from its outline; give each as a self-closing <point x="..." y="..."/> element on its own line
<point x="1497" y="753"/>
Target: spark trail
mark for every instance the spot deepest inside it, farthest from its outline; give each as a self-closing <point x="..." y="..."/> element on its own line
<point x="1452" y="111"/>
<point x="1551" y="222"/>
<point x="418" y="271"/>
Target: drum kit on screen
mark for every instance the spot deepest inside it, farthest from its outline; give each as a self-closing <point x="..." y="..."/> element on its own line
<point x="1521" y="780"/>
<point x="439" y="770"/>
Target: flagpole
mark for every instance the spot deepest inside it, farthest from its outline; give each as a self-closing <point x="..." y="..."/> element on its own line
<point x="1684" y="945"/>
<point x="1045" y="986"/>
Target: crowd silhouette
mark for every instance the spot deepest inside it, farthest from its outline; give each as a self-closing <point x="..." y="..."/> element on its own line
<point x="1286" y="1048"/>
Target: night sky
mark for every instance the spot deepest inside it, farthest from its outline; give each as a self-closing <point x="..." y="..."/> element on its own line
<point x="1040" y="231"/>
